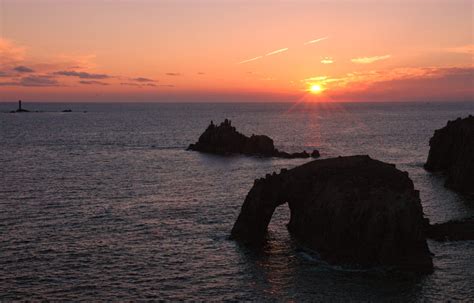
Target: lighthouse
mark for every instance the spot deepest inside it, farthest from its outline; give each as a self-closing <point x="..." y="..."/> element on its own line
<point x="20" y="109"/>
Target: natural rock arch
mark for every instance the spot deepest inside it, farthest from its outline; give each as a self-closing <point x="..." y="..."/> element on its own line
<point x="352" y="210"/>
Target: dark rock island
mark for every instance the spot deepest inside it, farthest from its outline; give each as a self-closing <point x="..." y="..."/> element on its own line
<point x="452" y="152"/>
<point x="351" y="210"/>
<point x="224" y="139"/>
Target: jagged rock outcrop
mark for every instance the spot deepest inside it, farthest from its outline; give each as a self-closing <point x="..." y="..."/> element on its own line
<point x="352" y="210"/>
<point x="452" y="152"/>
<point x="224" y="139"/>
<point x="455" y="230"/>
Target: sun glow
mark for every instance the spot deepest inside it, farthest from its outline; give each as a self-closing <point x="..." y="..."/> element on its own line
<point x="315" y="89"/>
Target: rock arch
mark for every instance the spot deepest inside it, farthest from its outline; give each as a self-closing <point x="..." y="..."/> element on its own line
<point x="352" y="210"/>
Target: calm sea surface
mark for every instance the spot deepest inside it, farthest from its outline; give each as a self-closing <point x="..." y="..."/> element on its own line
<point x="108" y="205"/>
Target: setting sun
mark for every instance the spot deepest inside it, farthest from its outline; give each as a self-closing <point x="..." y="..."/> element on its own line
<point x="315" y="89"/>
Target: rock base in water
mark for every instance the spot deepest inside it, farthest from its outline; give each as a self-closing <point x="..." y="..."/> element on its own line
<point x="224" y="139"/>
<point x="452" y="152"/>
<point x="456" y="230"/>
<point x="352" y="210"/>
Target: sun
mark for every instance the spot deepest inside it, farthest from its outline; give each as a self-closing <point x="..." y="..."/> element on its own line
<point x="315" y="89"/>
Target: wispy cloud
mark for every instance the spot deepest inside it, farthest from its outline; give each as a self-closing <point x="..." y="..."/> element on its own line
<point x="315" y="40"/>
<point x="466" y="49"/>
<point x="143" y="80"/>
<point x="173" y="74"/>
<point x="367" y="60"/>
<point x="281" y="50"/>
<point x="130" y="84"/>
<point x="35" y="80"/>
<point x="23" y="69"/>
<point x="39" y="81"/>
<point x="319" y="78"/>
<point x="81" y="62"/>
<point x="142" y="85"/>
<point x="10" y="52"/>
<point x="327" y="60"/>
<point x="93" y="82"/>
<point x="82" y="75"/>
<point x="250" y="60"/>
<point x="11" y="83"/>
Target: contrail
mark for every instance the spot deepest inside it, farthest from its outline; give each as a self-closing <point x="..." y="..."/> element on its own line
<point x="253" y="59"/>
<point x="281" y="50"/>
<point x="367" y="60"/>
<point x="316" y="40"/>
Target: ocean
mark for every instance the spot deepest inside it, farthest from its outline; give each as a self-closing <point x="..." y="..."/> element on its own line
<point x="105" y="203"/>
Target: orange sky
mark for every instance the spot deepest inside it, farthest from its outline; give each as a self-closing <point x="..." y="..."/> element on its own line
<point x="229" y="50"/>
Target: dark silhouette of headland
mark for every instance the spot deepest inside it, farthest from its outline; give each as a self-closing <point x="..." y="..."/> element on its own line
<point x="225" y="139"/>
<point x="452" y="152"/>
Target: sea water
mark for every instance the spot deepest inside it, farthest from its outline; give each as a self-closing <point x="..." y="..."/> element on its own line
<point x="105" y="203"/>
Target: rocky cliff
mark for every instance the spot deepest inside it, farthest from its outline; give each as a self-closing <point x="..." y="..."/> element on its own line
<point x="452" y="152"/>
<point x="352" y="210"/>
<point x="224" y="139"/>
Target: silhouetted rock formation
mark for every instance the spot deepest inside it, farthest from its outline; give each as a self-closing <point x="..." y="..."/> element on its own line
<point x="455" y="230"/>
<point x="315" y="154"/>
<point x="224" y="139"/>
<point x="452" y="151"/>
<point x="352" y="210"/>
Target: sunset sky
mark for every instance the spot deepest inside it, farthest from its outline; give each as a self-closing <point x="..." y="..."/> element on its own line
<point x="218" y="51"/>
